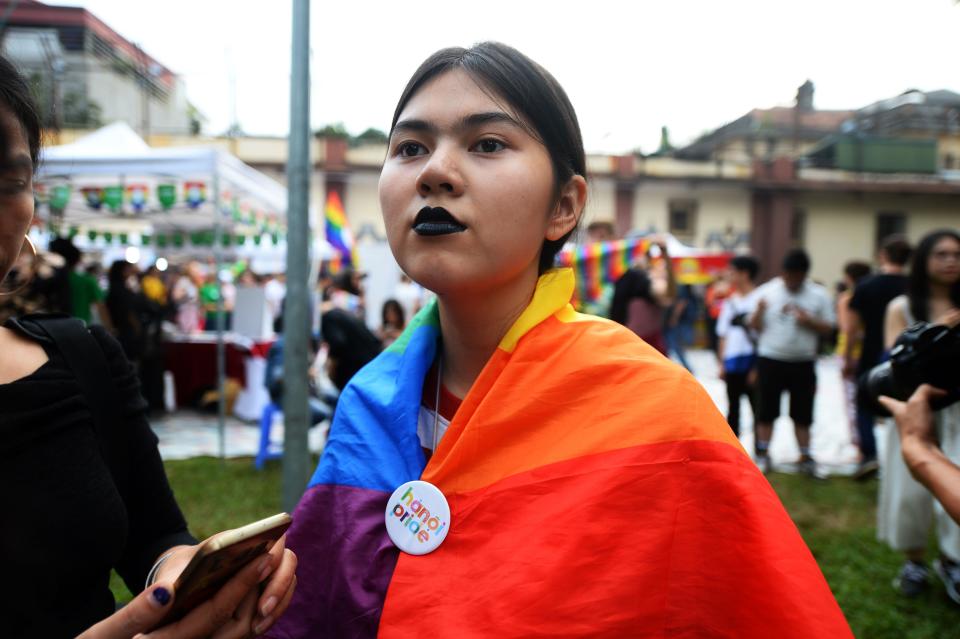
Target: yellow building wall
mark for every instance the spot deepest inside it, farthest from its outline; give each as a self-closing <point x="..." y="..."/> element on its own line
<point x="841" y="227"/>
<point x="718" y="207"/>
<point x="362" y="204"/>
<point x="601" y="201"/>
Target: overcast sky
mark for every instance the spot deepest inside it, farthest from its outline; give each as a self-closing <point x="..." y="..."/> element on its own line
<point x="629" y="67"/>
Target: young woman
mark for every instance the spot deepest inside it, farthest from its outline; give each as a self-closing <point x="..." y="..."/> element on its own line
<point x="906" y="508"/>
<point x="591" y="487"/>
<point x="69" y="514"/>
<point x="392" y="321"/>
<point x="640" y="299"/>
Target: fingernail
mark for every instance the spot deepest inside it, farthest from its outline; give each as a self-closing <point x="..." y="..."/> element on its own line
<point x="266" y="566"/>
<point x="269" y="606"/>
<point x="161" y="596"/>
<point x="263" y="625"/>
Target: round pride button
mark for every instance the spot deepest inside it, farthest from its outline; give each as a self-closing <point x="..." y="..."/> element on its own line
<point x="418" y="517"/>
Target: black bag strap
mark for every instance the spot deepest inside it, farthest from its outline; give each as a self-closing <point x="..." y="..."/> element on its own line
<point x="88" y="363"/>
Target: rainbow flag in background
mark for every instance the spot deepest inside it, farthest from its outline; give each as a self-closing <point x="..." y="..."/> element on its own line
<point x="595" y="491"/>
<point x="337" y="228"/>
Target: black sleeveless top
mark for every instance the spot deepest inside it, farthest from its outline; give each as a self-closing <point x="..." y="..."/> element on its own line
<point x="63" y="523"/>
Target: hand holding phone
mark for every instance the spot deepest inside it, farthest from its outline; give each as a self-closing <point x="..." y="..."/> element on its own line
<point x="233" y="610"/>
<point x="218" y="559"/>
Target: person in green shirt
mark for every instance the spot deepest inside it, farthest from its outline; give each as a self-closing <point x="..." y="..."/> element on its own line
<point x="85" y="291"/>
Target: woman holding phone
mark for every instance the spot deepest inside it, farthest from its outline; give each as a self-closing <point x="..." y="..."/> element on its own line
<point x="70" y="515"/>
<point x="509" y="467"/>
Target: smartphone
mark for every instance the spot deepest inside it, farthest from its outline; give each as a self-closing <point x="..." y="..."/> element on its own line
<point x="220" y="558"/>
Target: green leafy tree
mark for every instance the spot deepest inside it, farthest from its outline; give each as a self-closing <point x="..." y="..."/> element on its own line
<point x="370" y="136"/>
<point x="335" y="130"/>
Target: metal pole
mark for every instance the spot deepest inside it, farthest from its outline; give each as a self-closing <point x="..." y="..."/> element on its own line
<point x="296" y="323"/>
<point x="221" y="347"/>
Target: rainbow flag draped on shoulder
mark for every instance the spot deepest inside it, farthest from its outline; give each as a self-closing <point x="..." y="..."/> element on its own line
<point x="594" y="489"/>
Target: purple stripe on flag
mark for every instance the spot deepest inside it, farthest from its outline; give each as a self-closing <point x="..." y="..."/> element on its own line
<point x="345" y="564"/>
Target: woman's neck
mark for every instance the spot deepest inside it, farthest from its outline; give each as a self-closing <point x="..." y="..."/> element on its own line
<point x="940" y="292"/>
<point x="473" y="325"/>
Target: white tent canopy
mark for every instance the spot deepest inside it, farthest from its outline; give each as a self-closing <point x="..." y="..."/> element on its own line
<point x="116" y="150"/>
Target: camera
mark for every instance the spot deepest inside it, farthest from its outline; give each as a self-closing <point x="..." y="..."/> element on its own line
<point x="923" y="354"/>
<point x="741" y="319"/>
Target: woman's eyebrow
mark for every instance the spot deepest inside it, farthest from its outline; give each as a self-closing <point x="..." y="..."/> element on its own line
<point x="468" y="122"/>
<point x="17" y="162"/>
<point x="489" y="117"/>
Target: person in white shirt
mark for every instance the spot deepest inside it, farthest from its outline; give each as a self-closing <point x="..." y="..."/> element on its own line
<point x="409" y="295"/>
<point x="737" y="345"/>
<point x="792" y="314"/>
<point x="274" y="290"/>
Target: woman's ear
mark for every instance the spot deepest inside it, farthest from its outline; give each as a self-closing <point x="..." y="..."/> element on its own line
<point x="566" y="214"/>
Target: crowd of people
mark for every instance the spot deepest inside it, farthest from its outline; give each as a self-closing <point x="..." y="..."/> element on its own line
<point x="135" y="306"/>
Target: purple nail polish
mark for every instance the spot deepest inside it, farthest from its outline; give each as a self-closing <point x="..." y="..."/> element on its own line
<point x="161" y="596"/>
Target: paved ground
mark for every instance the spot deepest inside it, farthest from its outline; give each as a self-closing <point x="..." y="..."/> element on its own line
<point x="832" y="442"/>
<point x="189" y="434"/>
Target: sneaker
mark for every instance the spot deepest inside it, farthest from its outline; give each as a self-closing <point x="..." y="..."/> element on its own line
<point x="807" y="467"/>
<point x="866" y="470"/>
<point x="764" y="464"/>
<point x="949" y="573"/>
<point x="912" y="579"/>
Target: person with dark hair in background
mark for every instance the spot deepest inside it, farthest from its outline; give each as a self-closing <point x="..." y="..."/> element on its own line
<point x="791" y="316"/>
<point x="319" y="407"/>
<point x="853" y="272"/>
<point x="82" y="494"/>
<point x="906" y="509"/>
<point x="346" y="292"/>
<point x="392" y="322"/>
<point x="564" y="478"/>
<point x="131" y="313"/>
<point x="639" y="300"/>
<point x="85" y="291"/>
<point x="862" y="345"/>
<point x="678" y="323"/>
<point x="350" y="345"/>
<point x="737" y="346"/>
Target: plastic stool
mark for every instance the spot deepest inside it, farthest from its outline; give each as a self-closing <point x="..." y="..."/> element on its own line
<point x="266" y="424"/>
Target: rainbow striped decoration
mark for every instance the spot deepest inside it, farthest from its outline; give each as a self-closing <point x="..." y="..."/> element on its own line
<point x="600" y="264"/>
<point x="338" y="229"/>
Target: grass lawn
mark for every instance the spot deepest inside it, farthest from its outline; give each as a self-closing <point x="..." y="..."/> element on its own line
<point x="836" y="518"/>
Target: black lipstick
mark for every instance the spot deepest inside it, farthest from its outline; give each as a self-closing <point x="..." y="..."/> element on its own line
<point x="436" y="220"/>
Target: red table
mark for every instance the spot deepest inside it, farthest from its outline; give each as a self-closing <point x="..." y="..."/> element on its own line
<point x="193" y="361"/>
